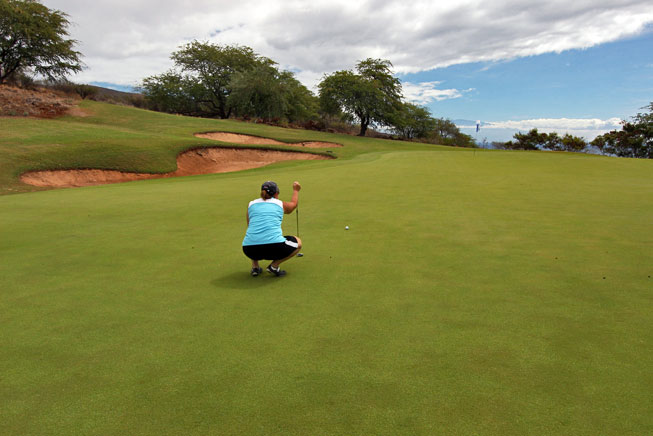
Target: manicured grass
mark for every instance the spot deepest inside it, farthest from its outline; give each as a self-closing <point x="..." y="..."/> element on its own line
<point x="487" y="293"/>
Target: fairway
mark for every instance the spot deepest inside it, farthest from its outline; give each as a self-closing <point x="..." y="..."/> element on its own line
<point x="475" y="293"/>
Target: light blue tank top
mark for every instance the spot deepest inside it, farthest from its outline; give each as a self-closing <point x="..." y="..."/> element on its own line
<point x="265" y="218"/>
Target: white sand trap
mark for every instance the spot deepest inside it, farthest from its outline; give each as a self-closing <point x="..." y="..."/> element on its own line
<point x="193" y="162"/>
<point x="236" y="138"/>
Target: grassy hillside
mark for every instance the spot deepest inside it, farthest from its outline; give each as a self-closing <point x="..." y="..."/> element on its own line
<point x="130" y="139"/>
<point x="487" y="293"/>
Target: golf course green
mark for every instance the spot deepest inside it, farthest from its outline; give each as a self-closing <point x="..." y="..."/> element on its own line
<point x="475" y="292"/>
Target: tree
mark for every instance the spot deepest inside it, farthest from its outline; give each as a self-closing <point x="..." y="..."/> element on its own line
<point x="371" y="95"/>
<point x="413" y="121"/>
<point x="265" y="92"/>
<point x="204" y="78"/>
<point x="303" y="104"/>
<point x="551" y="141"/>
<point x="534" y="140"/>
<point x="462" y="140"/>
<point x="33" y="40"/>
<point x="257" y="93"/>
<point x="85" y="91"/>
<point x="174" y="93"/>
<point x="635" y="139"/>
<point x="527" y="141"/>
<point x="445" y="128"/>
<point x="573" y="143"/>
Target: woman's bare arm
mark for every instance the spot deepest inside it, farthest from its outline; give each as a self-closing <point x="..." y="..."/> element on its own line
<point x="290" y="206"/>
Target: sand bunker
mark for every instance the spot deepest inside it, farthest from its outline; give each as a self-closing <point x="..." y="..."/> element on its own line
<point x="236" y="138"/>
<point x="193" y="162"/>
<point x="76" y="111"/>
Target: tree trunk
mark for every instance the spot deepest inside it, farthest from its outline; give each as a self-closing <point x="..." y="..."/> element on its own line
<point x="364" y="123"/>
<point x="5" y="72"/>
<point x="221" y="112"/>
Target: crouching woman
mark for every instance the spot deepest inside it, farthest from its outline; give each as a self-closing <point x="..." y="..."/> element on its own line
<point x="264" y="238"/>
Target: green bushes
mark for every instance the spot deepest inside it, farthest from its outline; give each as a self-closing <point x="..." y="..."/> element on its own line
<point x="534" y="140"/>
<point x="635" y="139"/>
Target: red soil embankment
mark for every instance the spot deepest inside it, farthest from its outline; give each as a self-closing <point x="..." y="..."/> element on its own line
<point x="17" y="102"/>
<point x="193" y="162"/>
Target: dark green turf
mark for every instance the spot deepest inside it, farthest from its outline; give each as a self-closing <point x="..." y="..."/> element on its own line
<point x="488" y="293"/>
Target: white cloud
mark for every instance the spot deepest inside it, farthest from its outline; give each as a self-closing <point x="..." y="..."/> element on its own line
<point x="557" y="124"/>
<point x="128" y="40"/>
<point x="587" y="128"/>
<point x="426" y="92"/>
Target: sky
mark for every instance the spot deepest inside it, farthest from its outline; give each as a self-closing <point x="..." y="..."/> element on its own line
<point x="577" y="67"/>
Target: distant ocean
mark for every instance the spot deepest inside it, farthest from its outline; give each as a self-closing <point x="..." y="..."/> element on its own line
<point x="484" y="137"/>
<point x="123" y="88"/>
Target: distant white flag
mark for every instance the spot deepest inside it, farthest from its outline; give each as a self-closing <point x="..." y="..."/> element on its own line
<point x="478" y="125"/>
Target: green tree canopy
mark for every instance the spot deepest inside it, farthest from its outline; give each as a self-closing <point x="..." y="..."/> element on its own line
<point x="534" y="140"/>
<point x="413" y="121"/>
<point x="33" y="39"/>
<point x="371" y="94"/>
<point x="174" y="93"/>
<point x="203" y="76"/>
<point x="527" y="141"/>
<point x="573" y="143"/>
<point x="212" y="80"/>
<point x="265" y="92"/>
<point x="445" y="128"/>
<point x="635" y="139"/>
<point x="214" y="66"/>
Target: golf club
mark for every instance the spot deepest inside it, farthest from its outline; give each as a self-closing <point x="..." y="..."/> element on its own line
<point x="297" y="213"/>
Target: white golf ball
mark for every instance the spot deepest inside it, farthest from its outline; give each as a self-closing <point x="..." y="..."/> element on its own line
<point x="346" y="227"/>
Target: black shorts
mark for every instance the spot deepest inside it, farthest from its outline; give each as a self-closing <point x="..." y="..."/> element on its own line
<point x="277" y="251"/>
